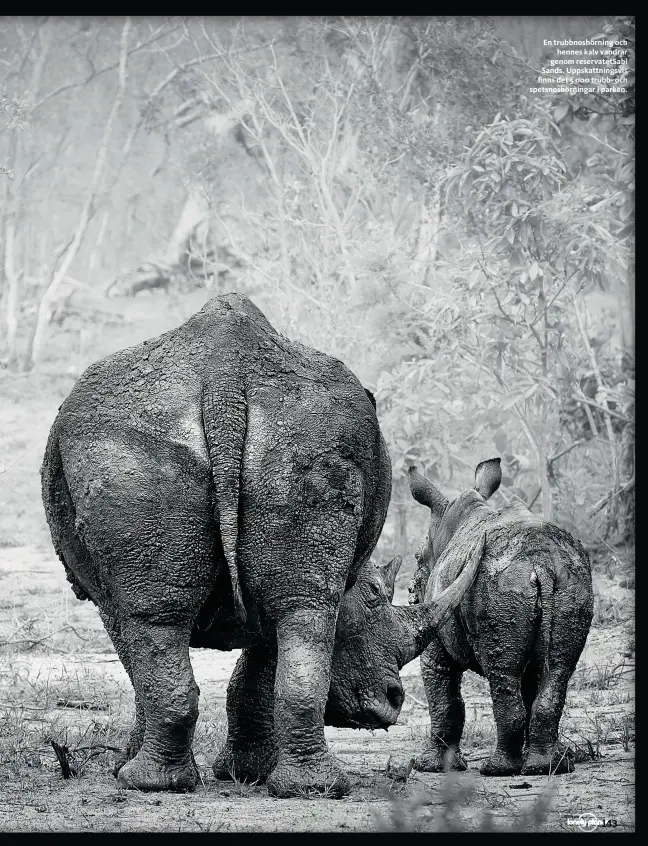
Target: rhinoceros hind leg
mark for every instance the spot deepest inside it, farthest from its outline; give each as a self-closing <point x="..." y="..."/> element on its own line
<point x="304" y="766"/>
<point x="136" y="737"/>
<point x="543" y="757"/>
<point x="163" y="678"/>
<point x="510" y="718"/>
<point x="570" y="626"/>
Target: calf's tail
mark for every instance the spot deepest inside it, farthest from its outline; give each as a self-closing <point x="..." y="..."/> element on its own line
<point x="545" y="585"/>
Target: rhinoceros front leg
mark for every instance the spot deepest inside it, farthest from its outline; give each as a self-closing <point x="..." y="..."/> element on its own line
<point x="304" y="765"/>
<point x="442" y="680"/>
<point x="250" y="751"/>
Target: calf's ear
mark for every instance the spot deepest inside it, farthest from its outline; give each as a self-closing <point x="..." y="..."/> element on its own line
<point x="388" y="573"/>
<point x="488" y="476"/>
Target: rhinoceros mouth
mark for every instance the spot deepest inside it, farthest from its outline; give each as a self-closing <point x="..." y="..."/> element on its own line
<point x="378" y="714"/>
<point x="370" y="715"/>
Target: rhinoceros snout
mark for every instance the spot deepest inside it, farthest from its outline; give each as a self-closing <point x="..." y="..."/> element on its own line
<point x="383" y="711"/>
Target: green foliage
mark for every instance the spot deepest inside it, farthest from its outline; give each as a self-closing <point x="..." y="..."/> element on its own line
<point x="390" y="194"/>
<point x="503" y="346"/>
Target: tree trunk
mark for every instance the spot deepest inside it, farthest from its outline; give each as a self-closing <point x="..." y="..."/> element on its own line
<point x="92" y="264"/>
<point x="14" y="195"/>
<point x="194" y="216"/>
<point x="401" y="530"/>
<point x="545" y="485"/>
<point x="627" y="456"/>
<point x="434" y="207"/>
<point x="69" y="254"/>
<point x="12" y="292"/>
<point x="428" y="239"/>
<point x="10" y="276"/>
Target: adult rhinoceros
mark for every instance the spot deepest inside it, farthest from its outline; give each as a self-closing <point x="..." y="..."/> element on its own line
<point x="223" y="487"/>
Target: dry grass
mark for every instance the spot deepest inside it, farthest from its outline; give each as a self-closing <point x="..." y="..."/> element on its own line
<point x="54" y="648"/>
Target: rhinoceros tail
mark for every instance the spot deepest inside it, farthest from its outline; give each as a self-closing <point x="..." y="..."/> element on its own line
<point x="224" y="411"/>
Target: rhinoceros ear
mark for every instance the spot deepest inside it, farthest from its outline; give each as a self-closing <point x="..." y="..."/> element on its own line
<point x="424" y="491"/>
<point x="388" y="573"/>
<point x="488" y="476"/>
<point x="372" y="398"/>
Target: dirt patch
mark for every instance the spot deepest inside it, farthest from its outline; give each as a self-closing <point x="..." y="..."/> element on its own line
<point x="54" y="650"/>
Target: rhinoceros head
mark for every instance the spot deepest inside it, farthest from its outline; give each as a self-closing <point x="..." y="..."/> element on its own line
<point x="375" y="639"/>
<point x="446" y="516"/>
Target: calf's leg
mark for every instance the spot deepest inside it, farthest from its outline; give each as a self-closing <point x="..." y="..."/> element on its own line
<point x="570" y="608"/>
<point x="510" y="719"/>
<point x="442" y="680"/>
<point x="541" y="758"/>
<point x="505" y="609"/>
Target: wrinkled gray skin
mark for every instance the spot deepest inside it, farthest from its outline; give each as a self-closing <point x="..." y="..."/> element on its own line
<point x="522" y="625"/>
<point x="223" y="487"/>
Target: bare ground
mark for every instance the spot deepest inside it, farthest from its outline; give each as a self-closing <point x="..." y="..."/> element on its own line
<point x="54" y="653"/>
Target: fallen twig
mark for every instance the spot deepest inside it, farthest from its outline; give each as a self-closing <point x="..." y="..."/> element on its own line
<point x="99" y="746"/>
<point x="35" y="641"/>
<point x="62" y="753"/>
<point x="20" y="705"/>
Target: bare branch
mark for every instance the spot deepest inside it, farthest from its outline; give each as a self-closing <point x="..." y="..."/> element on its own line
<point x="560" y="454"/>
<point x="588" y="402"/>
<point x="106" y="69"/>
<point x="628" y="486"/>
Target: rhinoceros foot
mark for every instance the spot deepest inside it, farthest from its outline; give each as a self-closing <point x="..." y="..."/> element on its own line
<point x="132" y="748"/>
<point x="242" y="764"/>
<point x="562" y="761"/>
<point x="501" y="764"/>
<point x="434" y="759"/>
<point x="148" y="773"/>
<point x="303" y="778"/>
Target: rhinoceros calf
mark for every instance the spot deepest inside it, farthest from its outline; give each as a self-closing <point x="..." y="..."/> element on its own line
<point x="523" y="625"/>
<point x="223" y="487"/>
